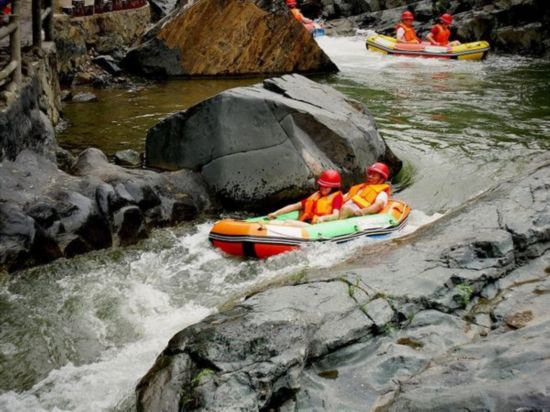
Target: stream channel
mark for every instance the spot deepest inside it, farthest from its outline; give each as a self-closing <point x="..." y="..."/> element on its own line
<point x="78" y="334"/>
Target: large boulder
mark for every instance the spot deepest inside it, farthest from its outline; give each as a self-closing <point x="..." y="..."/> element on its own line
<point x="266" y="143"/>
<point x="452" y="317"/>
<point x="223" y="37"/>
<point x="46" y="213"/>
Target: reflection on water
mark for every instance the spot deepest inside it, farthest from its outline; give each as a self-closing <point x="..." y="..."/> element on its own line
<point x="120" y="118"/>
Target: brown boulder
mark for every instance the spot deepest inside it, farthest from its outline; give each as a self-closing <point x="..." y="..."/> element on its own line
<point x="228" y="37"/>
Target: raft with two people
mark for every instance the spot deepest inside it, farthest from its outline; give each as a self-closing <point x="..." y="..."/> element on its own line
<point x="285" y="230"/>
<point x="388" y="45"/>
<point x="437" y="43"/>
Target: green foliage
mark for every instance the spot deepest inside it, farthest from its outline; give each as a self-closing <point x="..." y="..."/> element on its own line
<point x="464" y="293"/>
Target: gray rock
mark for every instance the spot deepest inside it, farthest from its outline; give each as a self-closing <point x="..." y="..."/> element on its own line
<point x="47" y="214"/>
<point x="24" y="126"/>
<point x="380" y="311"/>
<point x="17" y="234"/>
<point x="129" y="225"/>
<point x="127" y="157"/>
<point x="84" y="97"/>
<point x="293" y="125"/>
<point x="108" y="63"/>
<point x="507" y="372"/>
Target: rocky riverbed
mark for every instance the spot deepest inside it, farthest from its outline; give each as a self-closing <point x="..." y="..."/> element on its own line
<point x="455" y="316"/>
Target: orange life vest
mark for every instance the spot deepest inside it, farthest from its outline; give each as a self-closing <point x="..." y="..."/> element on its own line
<point x="364" y="195"/>
<point x="443" y="35"/>
<point x="410" y="32"/>
<point x="316" y="206"/>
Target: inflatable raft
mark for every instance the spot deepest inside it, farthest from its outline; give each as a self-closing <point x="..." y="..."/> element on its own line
<point x="259" y="237"/>
<point x="388" y="45"/>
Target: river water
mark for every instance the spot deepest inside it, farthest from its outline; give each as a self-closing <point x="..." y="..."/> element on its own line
<point x="78" y="334"/>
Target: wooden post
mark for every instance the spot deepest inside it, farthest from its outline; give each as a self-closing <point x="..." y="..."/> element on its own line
<point x="36" y="24"/>
<point x="15" y="41"/>
<point x="48" y="22"/>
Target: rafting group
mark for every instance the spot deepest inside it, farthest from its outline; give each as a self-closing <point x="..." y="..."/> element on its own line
<point x="436" y="44"/>
<point x="367" y="209"/>
<point x="328" y="203"/>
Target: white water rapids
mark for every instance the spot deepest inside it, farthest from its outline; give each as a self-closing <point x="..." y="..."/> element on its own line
<point x="77" y="335"/>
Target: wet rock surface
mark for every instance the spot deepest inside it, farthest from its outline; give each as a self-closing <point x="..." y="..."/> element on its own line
<point x="213" y="38"/>
<point x="47" y="213"/>
<point x="105" y="33"/>
<point x="265" y="144"/>
<point x="28" y="122"/>
<point x="454" y="316"/>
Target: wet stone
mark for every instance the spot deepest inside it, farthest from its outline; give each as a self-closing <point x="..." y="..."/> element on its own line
<point x="84" y="98"/>
<point x="127" y="157"/>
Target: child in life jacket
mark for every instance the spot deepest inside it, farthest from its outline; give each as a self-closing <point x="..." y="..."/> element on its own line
<point x="405" y="32"/>
<point x="322" y="206"/>
<point x="369" y="197"/>
<point x="439" y="36"/>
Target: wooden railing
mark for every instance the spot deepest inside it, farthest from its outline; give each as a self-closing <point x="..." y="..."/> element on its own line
<point x="13" y="68"/>
<point x="42" y="19"/>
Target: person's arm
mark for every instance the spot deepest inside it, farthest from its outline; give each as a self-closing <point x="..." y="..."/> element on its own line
<point x="430" y="38"/>
<point x="379" y="204"/>
<point x="401" y="35"/>
<point x="286" y="209"/>
<point x="336" y="206"/>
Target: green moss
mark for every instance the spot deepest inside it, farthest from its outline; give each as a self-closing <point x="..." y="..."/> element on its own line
<point x="390" y="328"/>
<point x="464" y="293"/>
<point x="201" y="375"/>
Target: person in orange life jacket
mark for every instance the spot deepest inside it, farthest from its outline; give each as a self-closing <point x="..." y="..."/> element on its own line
<point x="322" y="206"/>
<point x="293" y="6"/>
<point x="439" y="36"/>
<point x="369" y="197"/>
<point x="405" y="29"/>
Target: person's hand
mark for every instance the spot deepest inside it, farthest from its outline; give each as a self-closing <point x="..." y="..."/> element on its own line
<point x="320" y="220"/>
<point x="271" y="216"/>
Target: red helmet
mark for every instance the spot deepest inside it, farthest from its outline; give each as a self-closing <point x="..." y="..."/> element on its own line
<point x="446" y="18"/>
<point x="291" y="3"/>
<point x="329" y="178"/>
<point x="407" y="15"/>
<point x="380" y="168"/>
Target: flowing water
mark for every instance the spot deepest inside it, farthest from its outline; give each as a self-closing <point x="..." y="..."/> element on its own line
<point x="78" y="334"/>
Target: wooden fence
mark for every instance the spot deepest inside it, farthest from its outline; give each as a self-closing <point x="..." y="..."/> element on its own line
<point x="42" y="18"/>
<point x="13" y="30"/>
